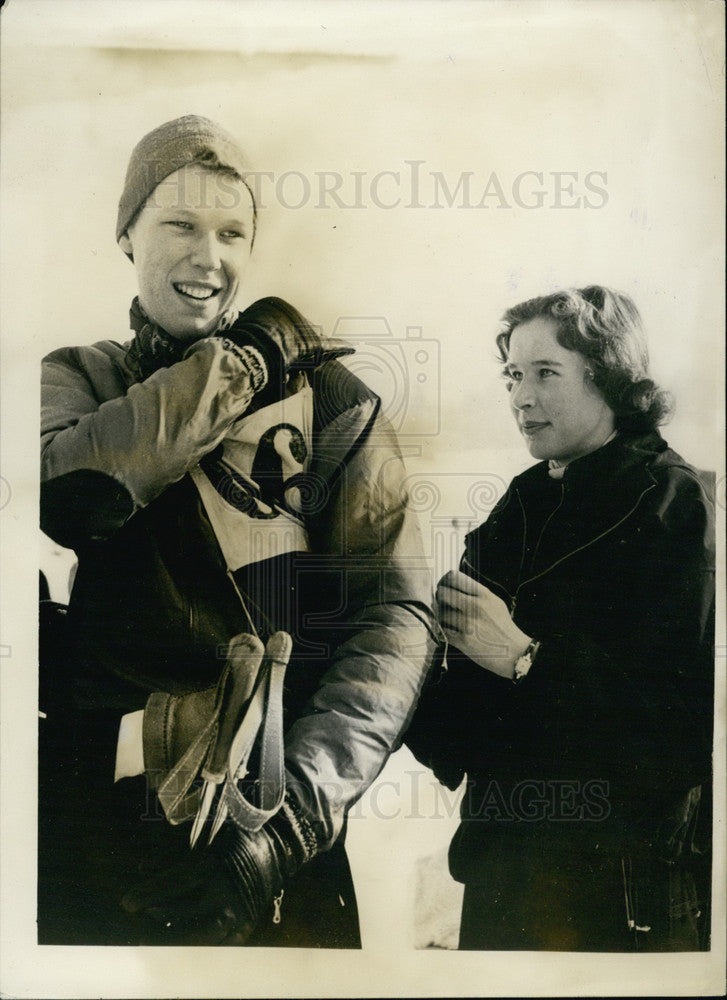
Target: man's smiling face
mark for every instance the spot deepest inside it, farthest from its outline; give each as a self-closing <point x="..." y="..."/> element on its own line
<point x="191" y="244"/>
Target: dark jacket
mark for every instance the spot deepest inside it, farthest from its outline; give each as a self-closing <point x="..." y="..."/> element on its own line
<point x="153" y="605"/>
<point x="597" y="748"/>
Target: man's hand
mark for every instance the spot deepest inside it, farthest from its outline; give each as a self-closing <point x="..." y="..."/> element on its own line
<point x="284" y="338"/>
<point x="478" y="623"/>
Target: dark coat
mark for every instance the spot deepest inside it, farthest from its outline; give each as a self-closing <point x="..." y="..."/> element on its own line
<point x="153" y="604"/>
<point x="597" y="748"/>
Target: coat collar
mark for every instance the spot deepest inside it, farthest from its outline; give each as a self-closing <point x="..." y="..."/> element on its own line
<point x="599" y="492"/>
<point x="596" y="494"/>
<point x="617" y="461"/>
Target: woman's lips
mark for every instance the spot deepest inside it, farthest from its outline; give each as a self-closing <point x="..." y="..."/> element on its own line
<point x="531" y="427"/>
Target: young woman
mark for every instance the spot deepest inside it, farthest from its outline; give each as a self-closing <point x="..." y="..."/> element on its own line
<point x="578" y="695"/>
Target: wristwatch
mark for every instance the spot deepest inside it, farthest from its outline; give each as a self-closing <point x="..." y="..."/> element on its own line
<point x="525" y="661"/>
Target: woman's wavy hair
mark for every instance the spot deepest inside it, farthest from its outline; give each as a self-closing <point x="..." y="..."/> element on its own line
<point x="605" y="327"/>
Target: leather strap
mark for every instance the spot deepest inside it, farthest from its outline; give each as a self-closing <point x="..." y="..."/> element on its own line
<point x="180" y="801"/>
<point x="266" y="709"/>
<point x="177" y="801"/>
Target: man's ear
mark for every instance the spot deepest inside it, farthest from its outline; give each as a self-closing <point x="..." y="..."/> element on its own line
<point x="125" y="244"/>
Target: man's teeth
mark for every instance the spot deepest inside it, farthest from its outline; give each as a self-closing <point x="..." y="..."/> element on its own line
<point x="196" y="291"/>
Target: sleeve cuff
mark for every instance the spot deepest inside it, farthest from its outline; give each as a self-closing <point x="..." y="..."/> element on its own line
<point x="130" y="746"/>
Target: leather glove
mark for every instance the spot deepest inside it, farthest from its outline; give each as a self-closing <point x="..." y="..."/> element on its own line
<point x="173" y="722"/>
<point x="285" y="339"/>
<point x="219" y="896"/>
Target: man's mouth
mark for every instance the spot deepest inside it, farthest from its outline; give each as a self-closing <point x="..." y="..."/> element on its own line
<point x="533" y="426"/>
<point x="195" y="290"/>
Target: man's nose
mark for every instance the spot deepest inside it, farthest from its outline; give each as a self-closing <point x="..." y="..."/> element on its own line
<point x="206" y="252"/>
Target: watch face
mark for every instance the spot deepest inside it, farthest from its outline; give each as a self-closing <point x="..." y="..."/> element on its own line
<point x="525" y="662"/>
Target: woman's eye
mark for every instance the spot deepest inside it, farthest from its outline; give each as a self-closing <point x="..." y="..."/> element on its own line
<point x="232" y="234"/>
<point x="546" y="372"/>
<point x="179" y="224"/>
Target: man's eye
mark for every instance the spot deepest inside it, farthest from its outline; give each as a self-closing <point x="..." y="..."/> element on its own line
<point x="179" y="224"/>
<point x="233" y="234"/>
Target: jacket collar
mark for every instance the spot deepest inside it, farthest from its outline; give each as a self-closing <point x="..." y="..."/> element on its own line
<point x="617" y="460"/>
<point x="599" y="492"/>
<point x="596" y="494"/>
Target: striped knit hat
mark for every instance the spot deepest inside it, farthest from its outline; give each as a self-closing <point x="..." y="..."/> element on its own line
<point x="167" y="148"/>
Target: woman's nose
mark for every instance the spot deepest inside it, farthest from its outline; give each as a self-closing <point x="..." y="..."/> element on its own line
<point x="206" y="253"/>
<point x="522" y="396"/>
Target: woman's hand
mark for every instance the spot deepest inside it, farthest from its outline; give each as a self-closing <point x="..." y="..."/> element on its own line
<point x="478" y="623"/>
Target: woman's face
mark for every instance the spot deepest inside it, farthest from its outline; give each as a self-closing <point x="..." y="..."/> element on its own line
<point x="559" y="411"/>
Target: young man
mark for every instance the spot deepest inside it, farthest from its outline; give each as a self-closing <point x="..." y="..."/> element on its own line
<point x="219" y="474"/>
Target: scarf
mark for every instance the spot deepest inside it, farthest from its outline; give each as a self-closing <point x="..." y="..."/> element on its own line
<point x="153" y="348"/>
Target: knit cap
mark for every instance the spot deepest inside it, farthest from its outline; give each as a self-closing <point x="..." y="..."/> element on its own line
<point x="167" y="148"/>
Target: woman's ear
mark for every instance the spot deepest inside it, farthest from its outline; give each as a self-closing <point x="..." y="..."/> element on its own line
<point x="125" y="244"/>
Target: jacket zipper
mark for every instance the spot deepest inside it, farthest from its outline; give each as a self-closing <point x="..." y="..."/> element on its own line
<point x="587" y="544"/>
<point x="277" y="906"/>
<point x="629" y="901"/>
<point x="514" y="597"/>
<point x="479" y="577"/>
<point x="542" y="530"/>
